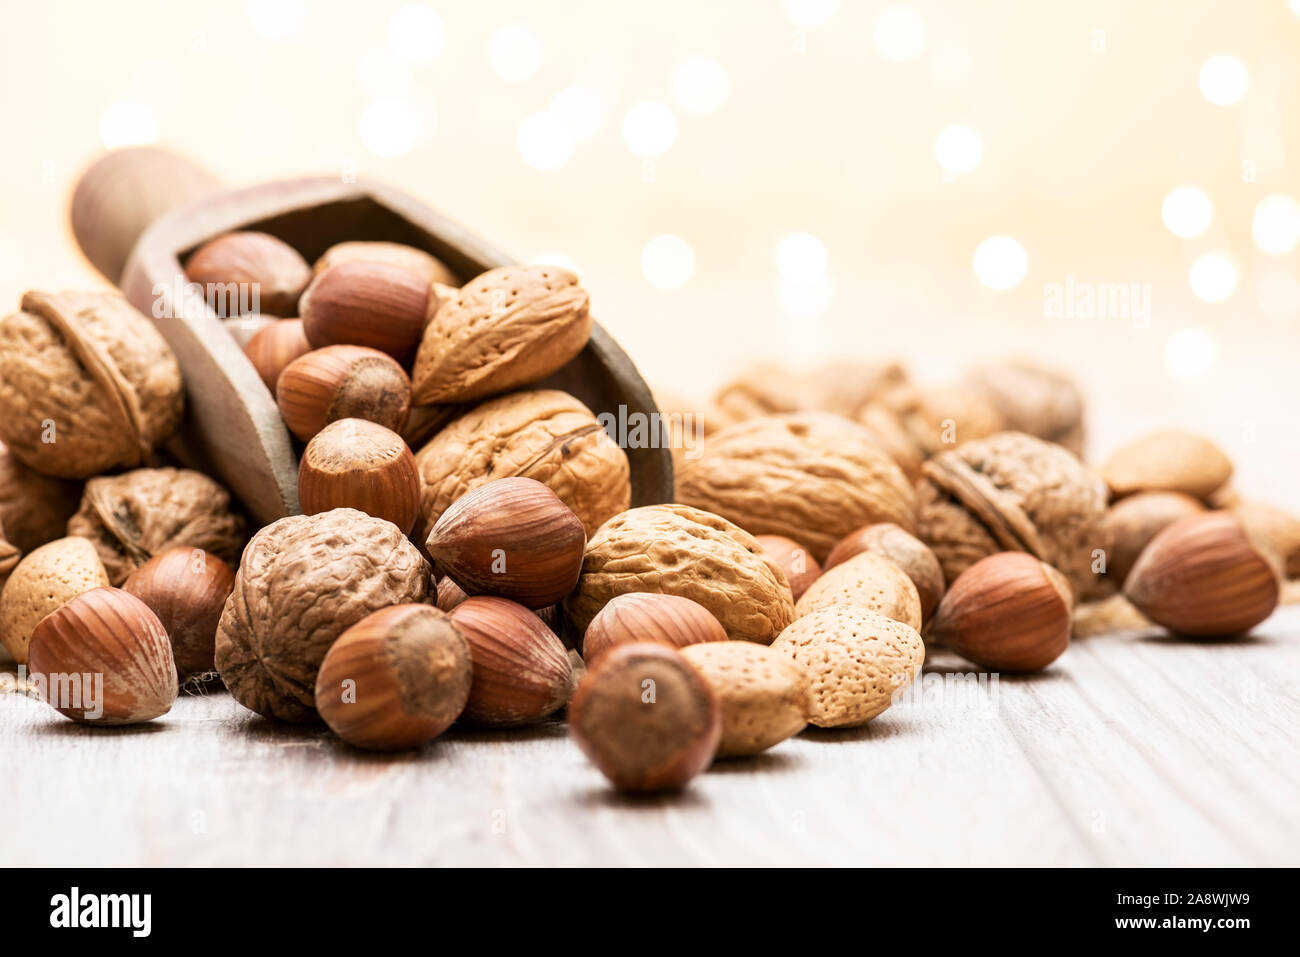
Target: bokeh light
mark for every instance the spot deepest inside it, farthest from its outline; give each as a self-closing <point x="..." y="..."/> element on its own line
<point x="389" y="127"/>
<point x="544" y="141"/>
<point x="1223" y="80"/>
<point x="811" y="13"/>
<point x="415" y="33"/>
<point x="958" y="149"/>
<point x="127" y="123"/>
<point x="649" y="129"/>
<point x="277" y="19"/>
<point x="701" y="85"/>
<point x="1213" y="277"/>
<point x="899" y="33"/>
<point x="667" y="262"/>
<point x="1187" y="212"/>
<point x="580" y="110"/>
<point x="1000" y="262"/>
<point x="515" y="53"/>
<point x="1276" y="224"/>
<point x="1189" y="354"/>
<point x="556" y="259"/>
<point x="801" y="257"/>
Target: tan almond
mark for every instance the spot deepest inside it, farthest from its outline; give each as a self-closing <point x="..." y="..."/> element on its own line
<point x="1170" y="460"/>
<point x="905" y="550"/>
<point x="763" y="694"/>
<point x="869" y="581"/>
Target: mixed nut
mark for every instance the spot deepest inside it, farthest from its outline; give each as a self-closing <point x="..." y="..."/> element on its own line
<point x="467" y="550"/>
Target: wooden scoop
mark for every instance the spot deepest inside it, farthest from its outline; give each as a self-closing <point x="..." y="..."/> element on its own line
<point x="138" y="213"/>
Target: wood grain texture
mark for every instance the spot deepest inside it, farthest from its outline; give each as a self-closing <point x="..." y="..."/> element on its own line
<point x="1134" y="749"/>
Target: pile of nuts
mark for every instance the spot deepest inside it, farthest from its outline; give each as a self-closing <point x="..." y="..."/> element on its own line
<point x="467" y="553"/>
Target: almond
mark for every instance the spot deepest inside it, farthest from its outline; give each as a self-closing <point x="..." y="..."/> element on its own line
<point x="857" y="662"/>
<point x="762" y="693"/>
<point x="1171" y="460"/>
<point x="869" y="581"/>
<point x="908" y="552"/>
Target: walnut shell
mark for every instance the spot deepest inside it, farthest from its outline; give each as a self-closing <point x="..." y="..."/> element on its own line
<point x="930" y="420"/>
<point x="545" y="435"/>
<point x="679" y="550"/>
<point x="1034" y="399"/>
<point x="9" y="556"/>
<point x="1170" y="460"/>
<point x="857" y="661"/>
<point x="506" y="328"/>
<point x="86" y="384"/>
<point x="34" y="508"/>
<point x="810" y="476"/>
<point x="136" y="515"/>
<point x="303" y="581"/>
<point x="842" y="387"/>
<point x="1012" y="492"/>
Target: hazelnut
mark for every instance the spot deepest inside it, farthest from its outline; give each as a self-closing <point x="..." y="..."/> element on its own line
<point x="343" y="382"/>
<point x="133" y="516"/>
<point x="367" y="304"/>
<point x="104" y="658"/>
<point x="1007" y="612"/>
<point x="272" y="267"/>
<point x="1133" y="521"/>
<point x="646" y="718"/>
<point x="273" y="348"/>
<point x="187" y="589"/>
<point x="357" y="464"/>
<point x="86" y="384"/>
<point x="450" y="594"/>
<point x="522" y="672"/>
<point x="392" y="254"/>
<point x="762" y="693"/>
<point x="1203" y="575"/>
<point x="512" y="538"/>
<point x="906" y="551"/>
<point x="243" y="328"/>
<point x="44" y="581"/>
<point x="649" y="617"/>
<point x="800" y="568"/>
<point x="396" y="679"/>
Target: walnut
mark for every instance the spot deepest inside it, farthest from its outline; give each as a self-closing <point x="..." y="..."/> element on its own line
<point x="1012" y="492"/>
<point x="305" y="580"/>
<point x="678" y="550"/>
<point x="1035" y="400"/>
<point x="810" y="476"/>
<point x="86" y="384"/>
<point x="842" y="387"/>
<point x="34" y="508"/>
<point x="928" y="421"/>
<point x="136" y="515"/>
<point x="9" y="556"/>
<point x="545" y="435"/>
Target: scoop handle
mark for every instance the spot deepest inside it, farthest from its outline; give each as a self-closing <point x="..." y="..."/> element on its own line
<point x="122" y="193"/>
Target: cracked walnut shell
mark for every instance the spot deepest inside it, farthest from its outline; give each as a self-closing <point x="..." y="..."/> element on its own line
<point x="810" y="476"/>
<point x="86" y="384"/>
<point x="134" y="516"/>
<point x="679" y="550"/>
<point x="1013" y="492"/>
<point x="545" y="435"/>
<point x="303" y="581"/>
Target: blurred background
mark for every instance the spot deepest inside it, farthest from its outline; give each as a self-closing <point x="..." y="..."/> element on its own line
<point x="1109" y="186"/>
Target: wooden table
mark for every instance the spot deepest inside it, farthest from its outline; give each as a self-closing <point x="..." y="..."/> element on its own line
<point x="1134" y="749"/>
